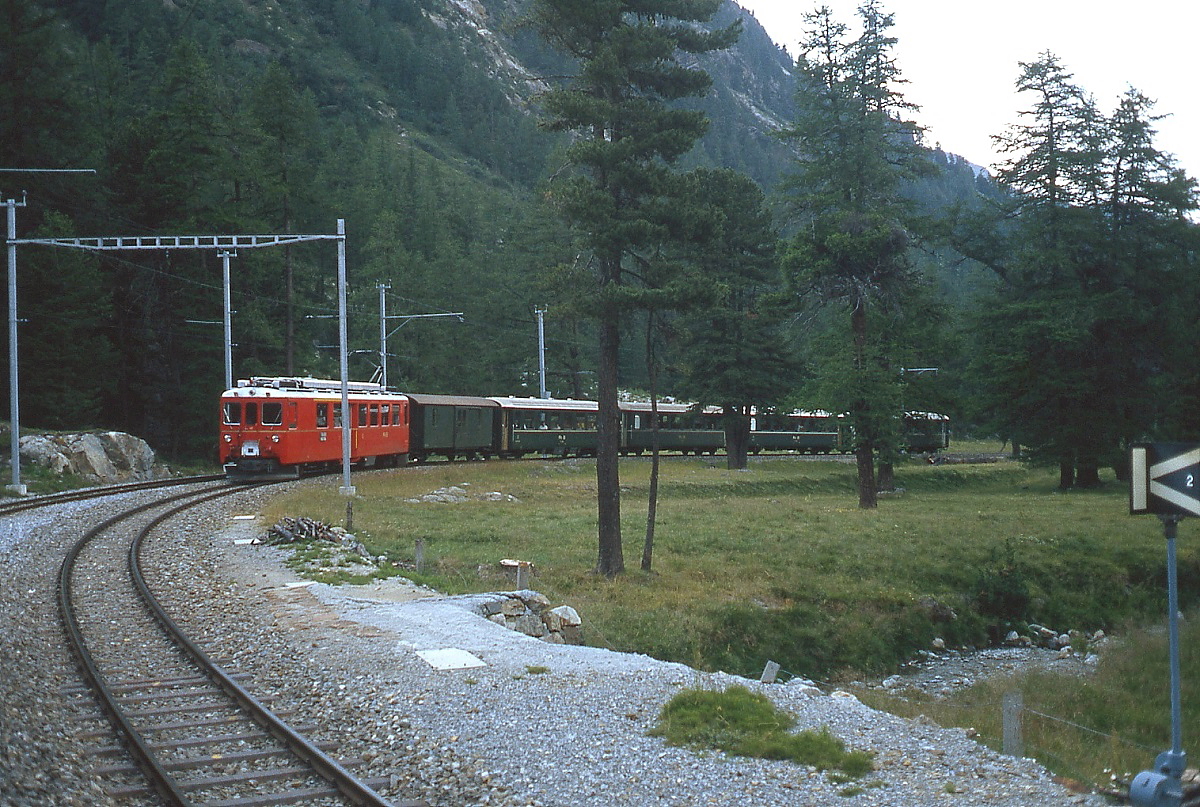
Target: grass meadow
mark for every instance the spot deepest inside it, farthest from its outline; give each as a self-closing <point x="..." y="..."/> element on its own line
<point x="777" y="563"/>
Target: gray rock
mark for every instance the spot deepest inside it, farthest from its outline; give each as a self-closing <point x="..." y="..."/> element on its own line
<point x="104" y="457"/>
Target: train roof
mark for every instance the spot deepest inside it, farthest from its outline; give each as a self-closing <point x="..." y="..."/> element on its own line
<point x="927" y="415"/>
<point x="313" y="387"/>
<point x="560" y="404"/>
<point x="451" y="400"/>
<point x="668" y="408"/>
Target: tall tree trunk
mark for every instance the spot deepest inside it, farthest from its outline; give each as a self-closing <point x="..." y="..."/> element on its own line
<point x="864" y="451"/>
<point x="1066" y="474"/>
<point x="737" y="439"/>
<point x="574" y="365"/>
<point x="611" y="560"/>
<point x="868" y="498"/>
<point x="887" y="476"/>
<point x="1087" y="474"/>
<point x="652" y="505"/>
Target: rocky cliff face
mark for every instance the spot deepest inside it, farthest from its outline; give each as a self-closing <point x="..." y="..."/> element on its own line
<point x="104" y="457"/>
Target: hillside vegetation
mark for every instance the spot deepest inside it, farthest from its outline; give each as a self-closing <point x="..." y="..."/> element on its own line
<point x="412" y="120"/>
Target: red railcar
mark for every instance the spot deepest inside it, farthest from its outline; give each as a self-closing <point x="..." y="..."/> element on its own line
<point x="281" y="427"/>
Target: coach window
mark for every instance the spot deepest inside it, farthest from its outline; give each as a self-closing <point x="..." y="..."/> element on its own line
<point x="272" y="414"/>
<point x="251" y="414"/>
<point x="362" y="414"/>
<point x="233" y="413"/>
<point x="337" y="416"/>
<point x="374" y="414"/>
<point x="385" y="414"/>
<point x="322" y="416"/>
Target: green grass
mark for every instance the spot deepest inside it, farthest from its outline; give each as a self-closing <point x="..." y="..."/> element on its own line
<point x="777" y="562"/>
<point x="746" y="724"/>
<point x="1111" y="723"/>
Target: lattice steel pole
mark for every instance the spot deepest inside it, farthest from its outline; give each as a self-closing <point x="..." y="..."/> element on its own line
<point x="541" y="313"/>
<point x="14" y="390"/>
<point x="227" y="321"/>
<point x="347" y="488"/>
<point x="383" y="288"/>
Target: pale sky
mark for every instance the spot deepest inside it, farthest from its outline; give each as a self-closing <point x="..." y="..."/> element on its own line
<point x="960" y="60"/>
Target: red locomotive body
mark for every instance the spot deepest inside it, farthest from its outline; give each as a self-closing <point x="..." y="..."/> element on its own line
<point x="281" y="427"/>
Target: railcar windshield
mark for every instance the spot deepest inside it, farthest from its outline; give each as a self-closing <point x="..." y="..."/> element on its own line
<point x="272" y="414"/>
<point x="232" y="413"/>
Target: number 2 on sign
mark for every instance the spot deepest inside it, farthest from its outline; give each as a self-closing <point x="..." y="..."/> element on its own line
<point x="1191" y="479"/>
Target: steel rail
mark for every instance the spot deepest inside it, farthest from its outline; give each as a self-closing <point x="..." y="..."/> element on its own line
<point x="346" y="783"/>
<point x="82" y="494"/>
<point x="159" y="778"/>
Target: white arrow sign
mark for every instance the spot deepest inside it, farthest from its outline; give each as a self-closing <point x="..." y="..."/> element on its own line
<point x="1173" y="480"/>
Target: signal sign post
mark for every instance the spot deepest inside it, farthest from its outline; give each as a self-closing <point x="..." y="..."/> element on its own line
<point x="1165" y="481"/>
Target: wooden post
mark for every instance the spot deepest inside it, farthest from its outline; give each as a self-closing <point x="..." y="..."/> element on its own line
<point x="1013" y="704"/>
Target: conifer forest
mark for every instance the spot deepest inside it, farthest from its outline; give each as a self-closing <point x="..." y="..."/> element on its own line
<point x="700" y="215"/>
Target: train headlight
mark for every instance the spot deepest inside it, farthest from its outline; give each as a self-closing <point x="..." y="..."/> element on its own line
<point x="274" y="438"/>
<point x="228" y="438"/>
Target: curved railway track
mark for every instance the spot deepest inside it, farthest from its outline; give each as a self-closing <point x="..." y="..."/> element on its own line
<point x="34" y="502"/>
<point x="195" y="731"/>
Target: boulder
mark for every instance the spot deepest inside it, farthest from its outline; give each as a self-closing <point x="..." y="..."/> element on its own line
<point x="529" y="612"/>
<point x="103" y="457"/>
<point x="563" y="616"/>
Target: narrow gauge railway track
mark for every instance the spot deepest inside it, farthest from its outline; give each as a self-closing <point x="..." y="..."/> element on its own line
<point x="33" y="502"/>
<point x="197" y="735"/>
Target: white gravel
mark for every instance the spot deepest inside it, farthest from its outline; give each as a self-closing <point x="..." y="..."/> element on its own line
<point x="575" y="734"/>
<point x="537" y="724"/>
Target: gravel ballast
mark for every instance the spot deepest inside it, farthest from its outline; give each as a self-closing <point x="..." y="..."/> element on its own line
<point x="537" y="724"/>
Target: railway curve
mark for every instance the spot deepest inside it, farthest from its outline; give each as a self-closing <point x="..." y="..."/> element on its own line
<point x="146" y="692"/>
<point x="56" y="747"/>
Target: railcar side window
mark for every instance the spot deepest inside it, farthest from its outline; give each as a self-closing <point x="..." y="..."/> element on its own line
<point x="385" y="414"/>
<point x="251" y="414"/>
<point x="322" y="416"/>
<point x="337" y="416"/>
<point x="374" y="414"/>
<point x="233" y="413"/>
<point x="362" y="414"/>
<point x="272" y="414"/>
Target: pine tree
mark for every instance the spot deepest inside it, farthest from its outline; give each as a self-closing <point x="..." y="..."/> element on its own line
<point x="1069" y="350"/>
<point x="730" y="350"/>
<point x="627" y="136"/>
<point x="856" y="147"/>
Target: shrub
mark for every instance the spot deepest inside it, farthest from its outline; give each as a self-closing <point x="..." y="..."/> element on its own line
<point x="740" y="722"/>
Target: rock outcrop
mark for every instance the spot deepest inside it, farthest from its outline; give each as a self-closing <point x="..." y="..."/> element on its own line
<point x="103" y="457"/>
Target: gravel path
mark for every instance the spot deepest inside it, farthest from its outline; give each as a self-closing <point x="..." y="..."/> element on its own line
<point x="537" y="724"/>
